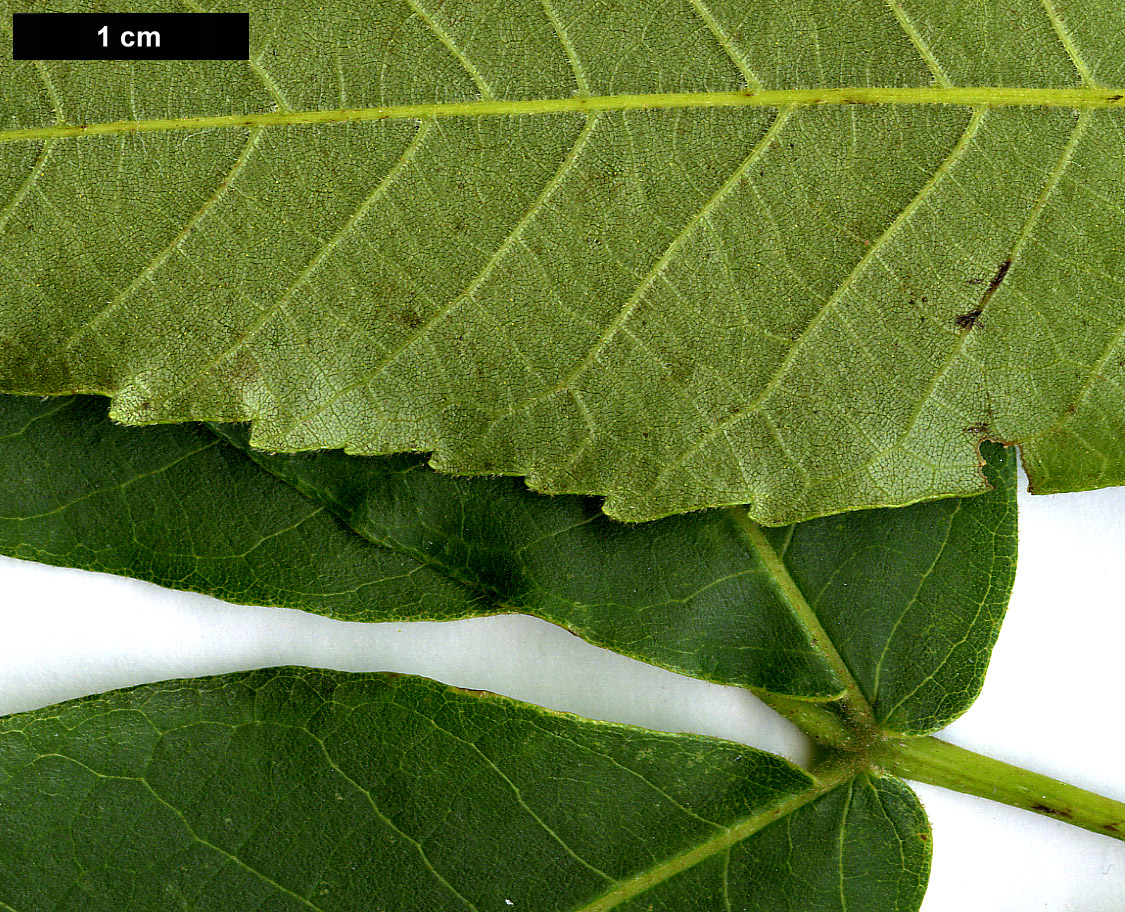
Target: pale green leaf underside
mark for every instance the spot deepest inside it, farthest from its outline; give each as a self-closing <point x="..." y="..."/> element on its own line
<point x="294" y="790"/>
<point x="661" y="252"/>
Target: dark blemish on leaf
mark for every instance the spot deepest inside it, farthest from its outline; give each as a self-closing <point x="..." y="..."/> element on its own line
<point x="1115" y="97"/>
<point x="410" y="319"/>
<point x="996" y="279"/>
<point x="1053" y="812"/>
<point x="977" y="430"/>
<point x="999" y="277"/>
<point x="967" y="320"/>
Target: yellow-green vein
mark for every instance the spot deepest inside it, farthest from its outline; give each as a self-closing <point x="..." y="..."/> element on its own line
<point x="1087" y="98"/>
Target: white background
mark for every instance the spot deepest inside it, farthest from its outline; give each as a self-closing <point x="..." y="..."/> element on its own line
<point x="1052" y="700"/>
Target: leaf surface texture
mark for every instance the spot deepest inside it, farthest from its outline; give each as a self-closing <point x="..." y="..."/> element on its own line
<point x="660" y="252"/>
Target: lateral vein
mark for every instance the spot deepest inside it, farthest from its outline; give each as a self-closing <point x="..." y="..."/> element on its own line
<point x="1068" y="43"/>
<point x="920" y="43"/>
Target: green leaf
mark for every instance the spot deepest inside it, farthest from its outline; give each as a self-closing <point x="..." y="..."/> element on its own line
<point x="662" y="252"/>
<point x="289" y="789"/>
<point x="297" y="789"/>
<point x="893" y="608"/>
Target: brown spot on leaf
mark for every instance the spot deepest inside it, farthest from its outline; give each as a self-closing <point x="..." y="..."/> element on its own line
<point x="968" y="320"/>
<point x="999" y="277"/>
<point x="1050" y="811"/>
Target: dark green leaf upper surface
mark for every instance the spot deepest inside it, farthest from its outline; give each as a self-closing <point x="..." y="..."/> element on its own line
<point x="295" y="790"/>
<point x="912" y="598"/>
<point x="503" y="233"/>
<point x="906" y="602"/>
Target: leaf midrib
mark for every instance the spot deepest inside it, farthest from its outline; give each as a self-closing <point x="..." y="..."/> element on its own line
<point x="749" y="533"/>
<point x="799" y="606"/>
<point x="1086" y="98"/>
<point x="826" y="780"/>
<point x="341" y="514"/>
